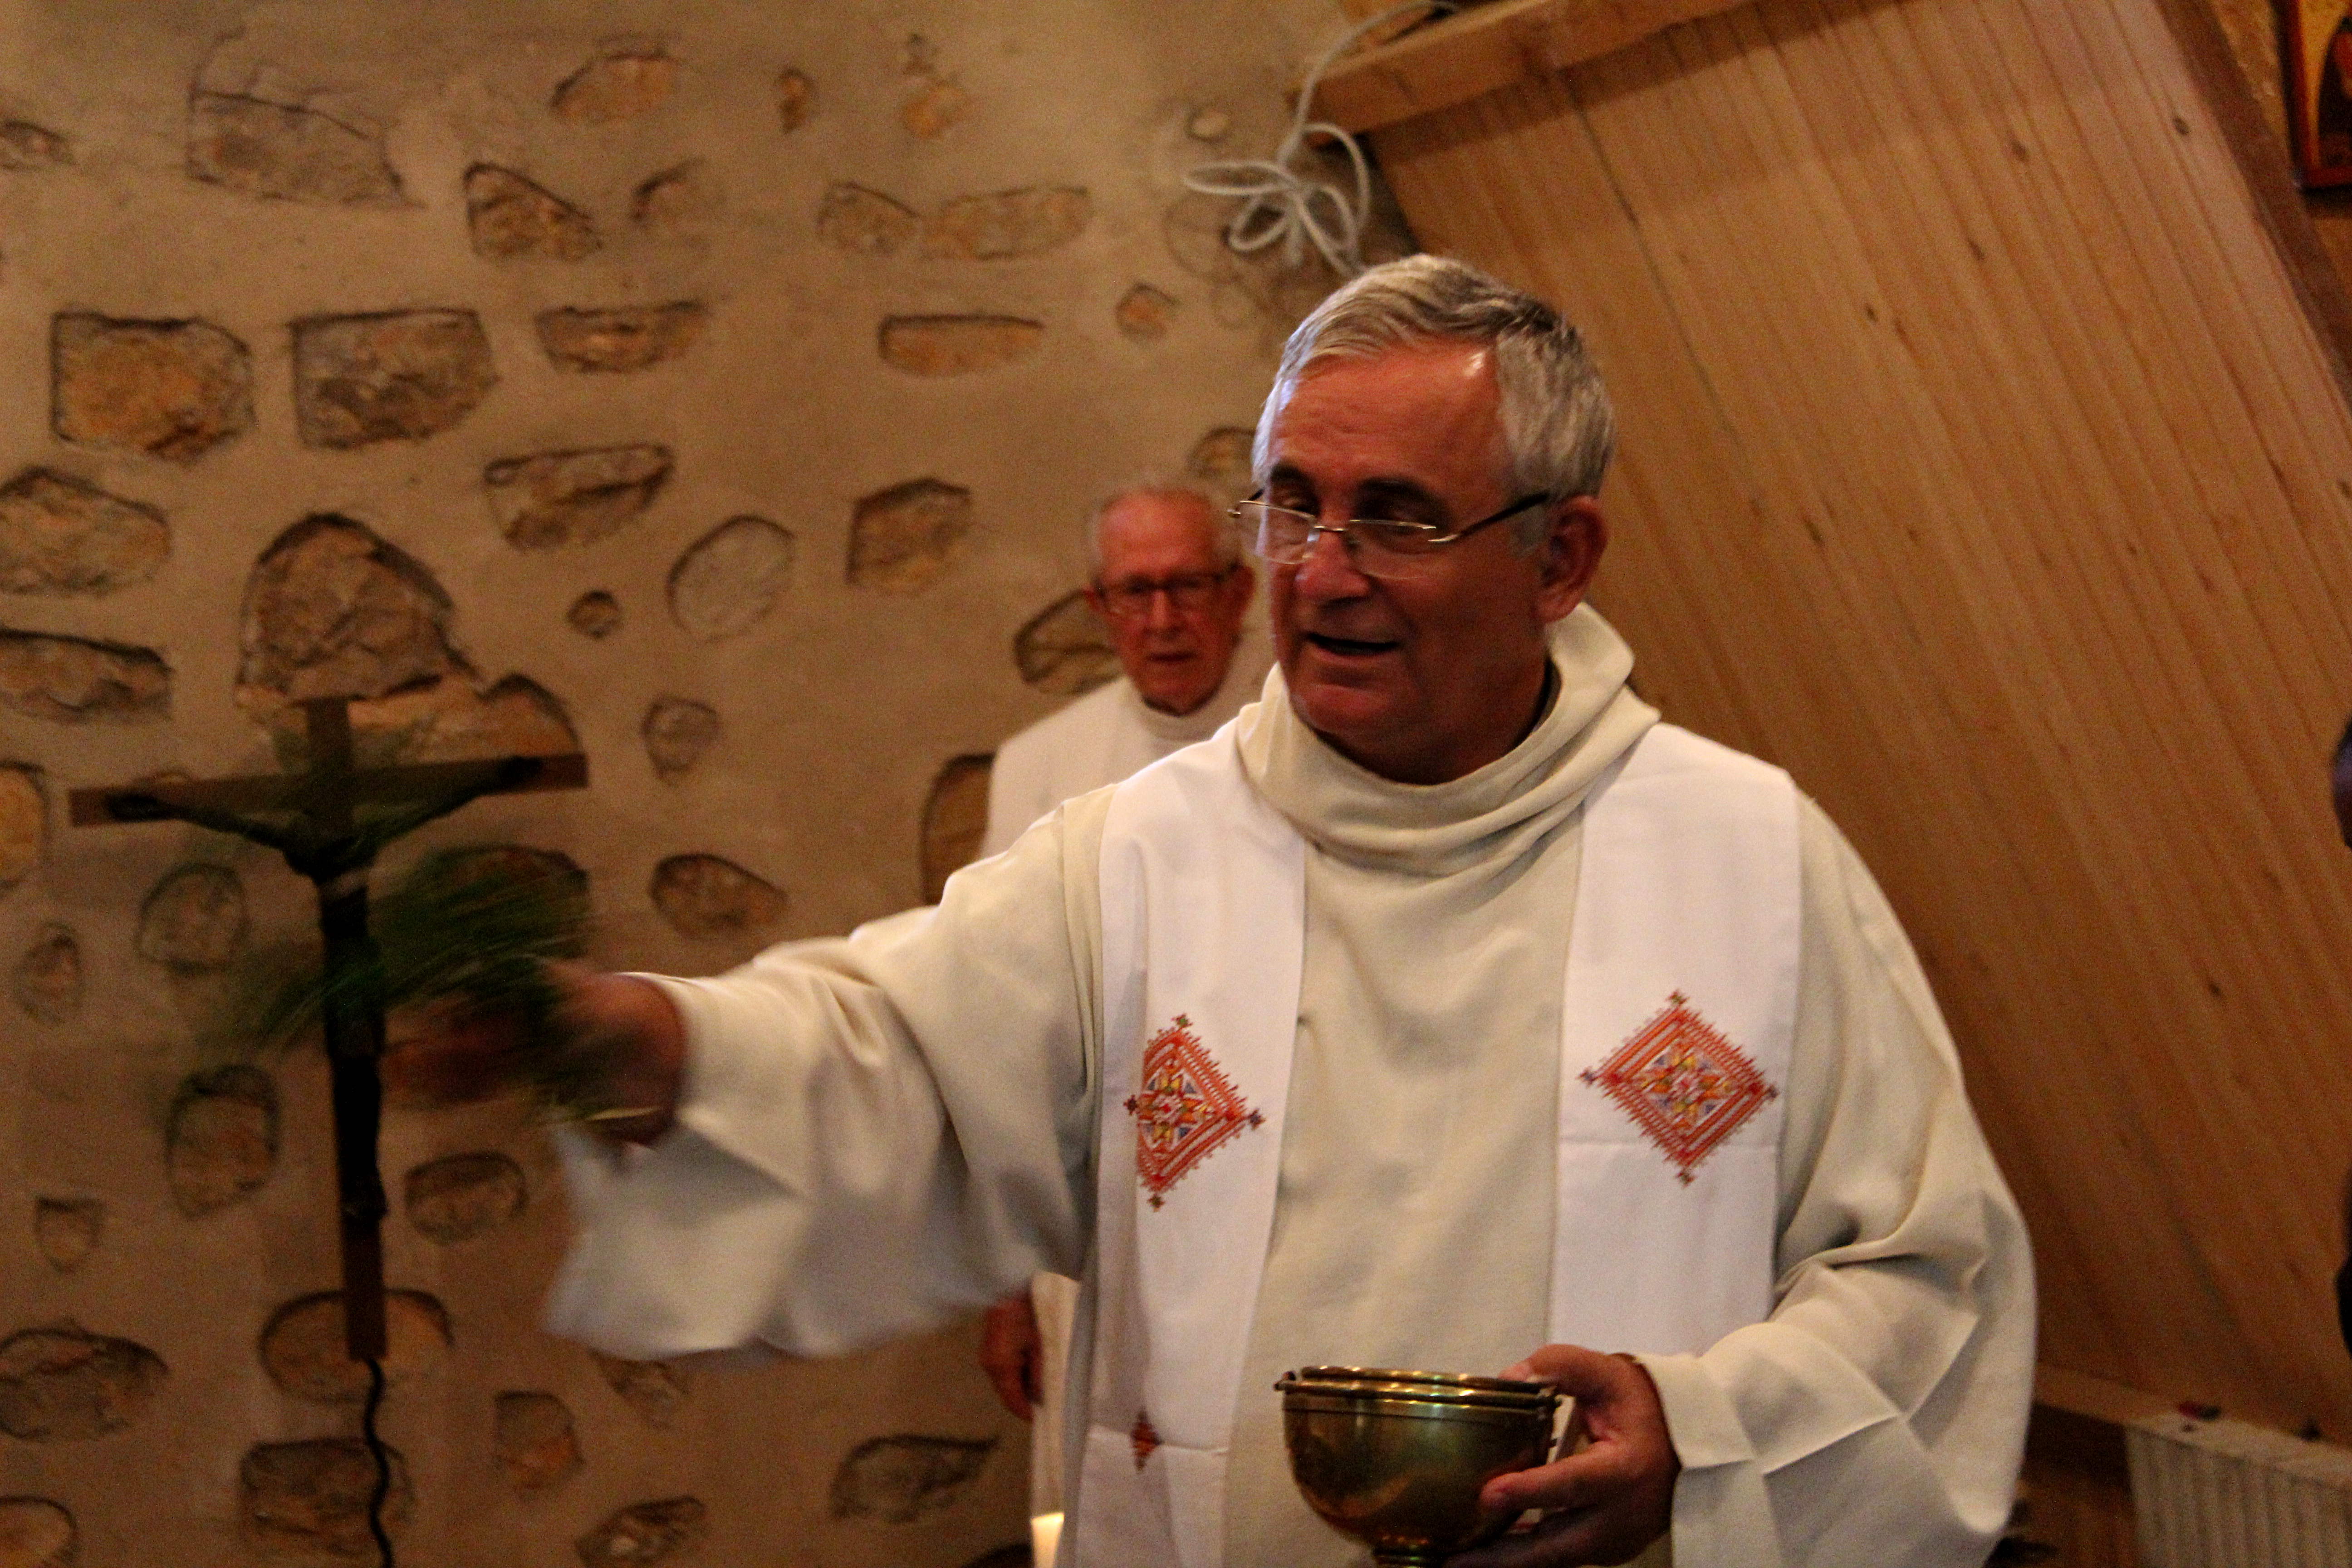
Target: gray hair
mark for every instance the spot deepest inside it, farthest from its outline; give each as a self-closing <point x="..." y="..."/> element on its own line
<point x="1558" y="429"/>
<point x="1224" y="541"/>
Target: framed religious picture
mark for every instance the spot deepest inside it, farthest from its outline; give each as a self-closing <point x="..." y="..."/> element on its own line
<point x="2317" y="38"/>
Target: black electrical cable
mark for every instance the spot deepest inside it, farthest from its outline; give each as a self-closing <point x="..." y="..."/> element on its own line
<point x="383" y="1457"/>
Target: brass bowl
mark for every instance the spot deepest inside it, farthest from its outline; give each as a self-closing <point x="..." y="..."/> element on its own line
<point x="1397" y="1458"/>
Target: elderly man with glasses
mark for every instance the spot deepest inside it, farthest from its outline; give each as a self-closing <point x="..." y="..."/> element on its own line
<point x="1449" y="1011"/>
<point x="1173" y="590"/>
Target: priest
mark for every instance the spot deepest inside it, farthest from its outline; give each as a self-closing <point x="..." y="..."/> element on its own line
<point x="1446" y="1011"/>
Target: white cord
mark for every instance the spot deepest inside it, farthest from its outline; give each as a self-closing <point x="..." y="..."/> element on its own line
<point x="1282" y="205"/>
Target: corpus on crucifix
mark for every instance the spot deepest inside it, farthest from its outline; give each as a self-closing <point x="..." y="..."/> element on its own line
<point x="330" y="822"/>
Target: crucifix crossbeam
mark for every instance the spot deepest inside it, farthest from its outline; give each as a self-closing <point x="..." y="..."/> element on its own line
<point x="315" y="820"/>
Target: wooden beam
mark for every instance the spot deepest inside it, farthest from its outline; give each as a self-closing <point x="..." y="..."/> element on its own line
<point x="1493" y="45"/>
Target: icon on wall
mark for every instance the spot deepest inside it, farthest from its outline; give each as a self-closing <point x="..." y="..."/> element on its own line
<point x="2316" y="36"/>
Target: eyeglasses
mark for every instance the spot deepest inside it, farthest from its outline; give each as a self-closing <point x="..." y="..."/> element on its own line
<point x="1188" y="593"/>
<point x="1376" y="547"/>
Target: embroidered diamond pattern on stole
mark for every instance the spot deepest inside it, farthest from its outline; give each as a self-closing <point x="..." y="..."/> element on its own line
<point x="1684" y="1083"/>
<point x="1146" y="1440"/>
<point x="1188" y="1109"/>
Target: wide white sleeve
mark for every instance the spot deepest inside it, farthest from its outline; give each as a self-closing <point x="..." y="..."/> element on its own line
<point x="1878" y="1417"/>
<point x="876" y="1134"/>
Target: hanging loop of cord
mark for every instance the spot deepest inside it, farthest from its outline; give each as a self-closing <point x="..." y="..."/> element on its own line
<point x="1281" y="205"/>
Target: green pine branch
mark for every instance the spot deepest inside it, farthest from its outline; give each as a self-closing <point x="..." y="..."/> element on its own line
<point x="469" y="933"/>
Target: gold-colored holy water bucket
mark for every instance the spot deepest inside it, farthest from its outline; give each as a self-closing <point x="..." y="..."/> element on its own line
<point x="1397" y="1458"/>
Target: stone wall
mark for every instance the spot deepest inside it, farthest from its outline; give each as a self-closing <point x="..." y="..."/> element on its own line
<point x="714" y="388"/>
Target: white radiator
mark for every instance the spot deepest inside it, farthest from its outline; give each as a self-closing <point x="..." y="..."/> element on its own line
<point x="2222" y="1494"/>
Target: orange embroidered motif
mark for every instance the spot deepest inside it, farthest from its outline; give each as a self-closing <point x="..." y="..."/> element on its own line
<point x="1188" y="1109"/>
<point x="1143" y="1438"/>
<point x="1684" y="1083"/>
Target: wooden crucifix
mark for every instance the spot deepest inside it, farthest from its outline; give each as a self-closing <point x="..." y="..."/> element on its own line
<point x="312" y="818"/>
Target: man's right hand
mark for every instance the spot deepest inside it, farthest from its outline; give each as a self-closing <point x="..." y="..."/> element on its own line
<point x="623" y="1029"/>
<point x="1011" y="1352"/>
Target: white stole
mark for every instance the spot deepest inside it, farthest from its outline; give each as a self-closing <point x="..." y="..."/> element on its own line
<point x="1679" y="1009"/>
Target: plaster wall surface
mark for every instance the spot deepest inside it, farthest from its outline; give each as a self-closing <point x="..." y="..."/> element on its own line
<point x="623" y="275"/>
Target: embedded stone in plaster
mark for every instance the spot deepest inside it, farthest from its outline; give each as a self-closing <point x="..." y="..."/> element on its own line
<point x="655" y="1390"/>
<point x="23" y="821"/>
<point x="534" y="1441"/>
<point x="286" y="153"/>
<point x="333" y="611"/>
<point x="627" y="76"/>
<point x="171" y="389"/>
<point x="194" y="920"/>
<point x="58" y="536"/>
<point x="448" y="721"/>
<point x="1063" y="649"/>
<point x="67" y="1230"/>
<point x="955" y="820"/>
<point x="47" y="979"/>
<point x="678" y="733"/>
<point x="1221" y="458"/>
<point x="515" y="863"/>
<point x="726" y="581"/>
<point x="900" y="1479"/>
<point x="1209" y="125"/>
<point x="1144" y="314"/>
<point x="60" y="1383"/>
<point x="866" y="222"/>
<point x="681" y="200"/>
<point x="957" y="345"/>
<point x="25" y="145"/>
<point x="796" y="98"/>
<point x="508" y="216"/>
<point x="634" y="337"/>
<point x="707" y="898"/>
<point x="929" y="112"/>
<point x="303" y="1348"/>
<point x="394" y="375"/>
<point x="643" y="1535"/>
<point x="901" y="539"/>
<point x="221" y="1142"/>
<point x="574" y="498"/>
<point x="594" y="615"/>
<point x="1004" y="224"/>
<point x="74" y="681"/>
<point x="308" y="1499"/>
<point x="35" y="1532"/>
<point x="460" y="1196"/>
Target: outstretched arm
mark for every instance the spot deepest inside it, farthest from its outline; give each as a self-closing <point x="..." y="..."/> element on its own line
<point x="866" y="1137"/>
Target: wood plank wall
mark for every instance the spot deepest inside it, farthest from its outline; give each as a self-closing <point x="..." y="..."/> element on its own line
<point x="1980" y="467"/>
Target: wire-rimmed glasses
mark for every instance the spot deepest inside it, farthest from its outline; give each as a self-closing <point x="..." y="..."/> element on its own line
<point x="1189" y="593"/>
<point x="1377" y="547"/>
